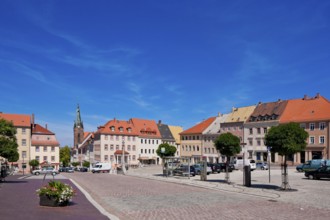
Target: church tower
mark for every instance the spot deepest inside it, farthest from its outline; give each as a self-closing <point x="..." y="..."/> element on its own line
<point x="78" y="129"/>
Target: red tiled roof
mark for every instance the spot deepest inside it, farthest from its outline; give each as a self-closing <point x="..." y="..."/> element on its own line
<point x="86" y="133"/>
<point x="120" y="152"/>
<point x="18" y="120"/>
<point x="146" y="128"/>
<point x="117" y="125"/>
<point x="306" y="109"/>
<point x="199" y="128"/>
<point x="38" y="129"/>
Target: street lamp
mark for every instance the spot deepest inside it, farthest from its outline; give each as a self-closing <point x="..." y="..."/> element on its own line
<point x="90" y="146"/>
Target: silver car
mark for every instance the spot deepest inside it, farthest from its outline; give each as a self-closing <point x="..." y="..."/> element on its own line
<point x="45" y="170"/>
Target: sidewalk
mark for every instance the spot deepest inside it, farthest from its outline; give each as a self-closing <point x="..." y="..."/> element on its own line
<point x="20" y="201"/>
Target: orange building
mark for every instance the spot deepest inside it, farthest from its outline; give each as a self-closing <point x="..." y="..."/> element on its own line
<point x="313" y="114"/>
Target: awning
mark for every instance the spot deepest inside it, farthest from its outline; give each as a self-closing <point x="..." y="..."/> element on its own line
<point x="120" y="152"/>
<point x="144" y="158"/>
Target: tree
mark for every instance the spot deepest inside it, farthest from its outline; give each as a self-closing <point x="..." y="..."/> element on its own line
<point x="86" y="163"/>
<point x="229" y="145"/>
<point x="170" y="150"/>
<point x="8" y="143"/>
<point x="286" y="139"/>
<point x="65" y="156"/>
<point x="34" y="163"/>
<point x="75" y="164"/>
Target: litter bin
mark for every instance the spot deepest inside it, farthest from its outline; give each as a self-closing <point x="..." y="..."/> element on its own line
<point x="247" y="176"/>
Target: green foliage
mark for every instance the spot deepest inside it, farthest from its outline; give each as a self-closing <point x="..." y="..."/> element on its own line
<point x="8" y="143"/>
<point x="34" y="163"/>
<point x="170" y="150"/>
<point x="228" y="144"/>
<point x="65" y="156"/>
<point x="75" y="164"/>
<point x="86" y="163"/>
<point x="286" y="139"/>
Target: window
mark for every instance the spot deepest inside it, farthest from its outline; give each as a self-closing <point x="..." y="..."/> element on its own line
<point x="53" y="158"/>
<point x="311" y="126"/>
<point x="145" y="151"/>
<point x="133" y="139"/>
<point x="53" y="149"/>
<point x="156" y="141"/>
<point x="106" y="147"/>
<point x="149" y="151"/>
<point x="112" y="128"/>
<point x="105" y="137"/>
<point x="37" y="158"/>
<point x="153" y="151"/>
<point x="197" y="148"/>
<point x="250" y="142"/>
<point x="117" y="138"/>
<point x="121" y="129"/>
<point x="251" y="130"/>
<point x="111" y="137"/>
<point x="258" y="142"/>
<point x="23" y="142"/>
<point x="45" y="158"/>
<point x="197" y="137"/>
<point x="322" y="126"/>
<point x="265" y="130"/>
<point x="153" y="141"/>
<point x="23" y="154"/>
<point x="37" y="149"/>
<point x="128" y="147"/>
<point x="141" y="151"/>
<point x="106" y="157"/>
<point x="134" y="158"/>
<point x="23" y="130"/>
<point x="134" y="148"/>
<point x="189" y="148"/>
<point x="45" y="149"/>
<point x="129" y="138"/>
<point x="111" y="157"/>
<point x="111" y="146"/>
<point x="258" y="131"/>
<point x="141" y="141"/>
<point x="117" y="147"/>
<point x="321" y="139"/>
<point x="311" y="140"/>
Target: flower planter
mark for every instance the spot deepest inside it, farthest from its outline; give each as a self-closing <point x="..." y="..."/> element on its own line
<point x="51" y="201"/>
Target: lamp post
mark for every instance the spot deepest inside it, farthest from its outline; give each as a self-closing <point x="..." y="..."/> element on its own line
<point x="89" y="153"/>
<point x="122" y="157"/>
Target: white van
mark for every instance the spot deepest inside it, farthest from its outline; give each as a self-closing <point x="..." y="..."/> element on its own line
<point x="101" y="167"/>
<point x="240" y="163"/>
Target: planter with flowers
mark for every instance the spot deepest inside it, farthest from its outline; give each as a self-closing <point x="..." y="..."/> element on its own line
<point x="55" y="193"/>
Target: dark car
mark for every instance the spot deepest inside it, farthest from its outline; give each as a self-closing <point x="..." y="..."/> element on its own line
<point x="231" y="167"/>
<point x="216" y="168"/>
<point x="61" y="169"/>
<point x="182" y="170"/>
<point x="299" y="167"/>
<point x="322" y="172"/>
<point x="83" y="169"/>
<point x="69" y="169"/>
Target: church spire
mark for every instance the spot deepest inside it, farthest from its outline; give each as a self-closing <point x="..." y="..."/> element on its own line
<point x="78" y="122"/>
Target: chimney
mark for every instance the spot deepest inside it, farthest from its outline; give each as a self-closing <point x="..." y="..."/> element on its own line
<point x="305" y="97"/>
<point x="317" y="95"/>
<point x="159" y="122"/>
<point x="46" y="126"/>
<point x="32" y="118"/>
<point x="279" y="100"/>
<point x="259" y="103"/>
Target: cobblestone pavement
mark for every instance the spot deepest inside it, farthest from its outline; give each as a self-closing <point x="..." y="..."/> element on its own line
<point x="145" y="194"/>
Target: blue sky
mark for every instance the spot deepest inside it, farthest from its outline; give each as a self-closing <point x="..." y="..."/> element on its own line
<point x="176" y="61"/>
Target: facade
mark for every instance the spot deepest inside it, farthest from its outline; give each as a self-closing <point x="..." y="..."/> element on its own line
<point x="85" y="150"/>
<point x="175" y="131"/>
<point x="192" y="141"/>
<point x="313" y="114"/>
<point x="22" y="123"/>
<point x="149" y="138"/>
<point x="209" y="135"/>
<point x="116" y="142"/>
<point x="264" y="116"/>
<point x="44" y="146"/>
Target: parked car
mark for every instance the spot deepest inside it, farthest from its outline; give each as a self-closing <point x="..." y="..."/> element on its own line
<point x="69" y="169"/>
<point x="45" y="170"/>
<point x="262" y="165"/>
<point x="216" y="168"/>
<point x="299" y="167"/>
<point x="315" y="164"/>
<point x="183" y="170"/>
<point x="239" y="164"/>
<point x="61" y="169"/>
<point x="83" y="169"/>
<point x="322" y="172"/>
<point x="199" y="167"/>
<point x="231" y="167"/>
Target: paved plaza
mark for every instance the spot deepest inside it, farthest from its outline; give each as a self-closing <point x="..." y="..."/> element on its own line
<point x="144" y="193"/>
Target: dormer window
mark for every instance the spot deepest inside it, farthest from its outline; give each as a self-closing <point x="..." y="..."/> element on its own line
<point x="121" y="129"/>
<point x="129" y="130"/>
<point x="112" y="128"/>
